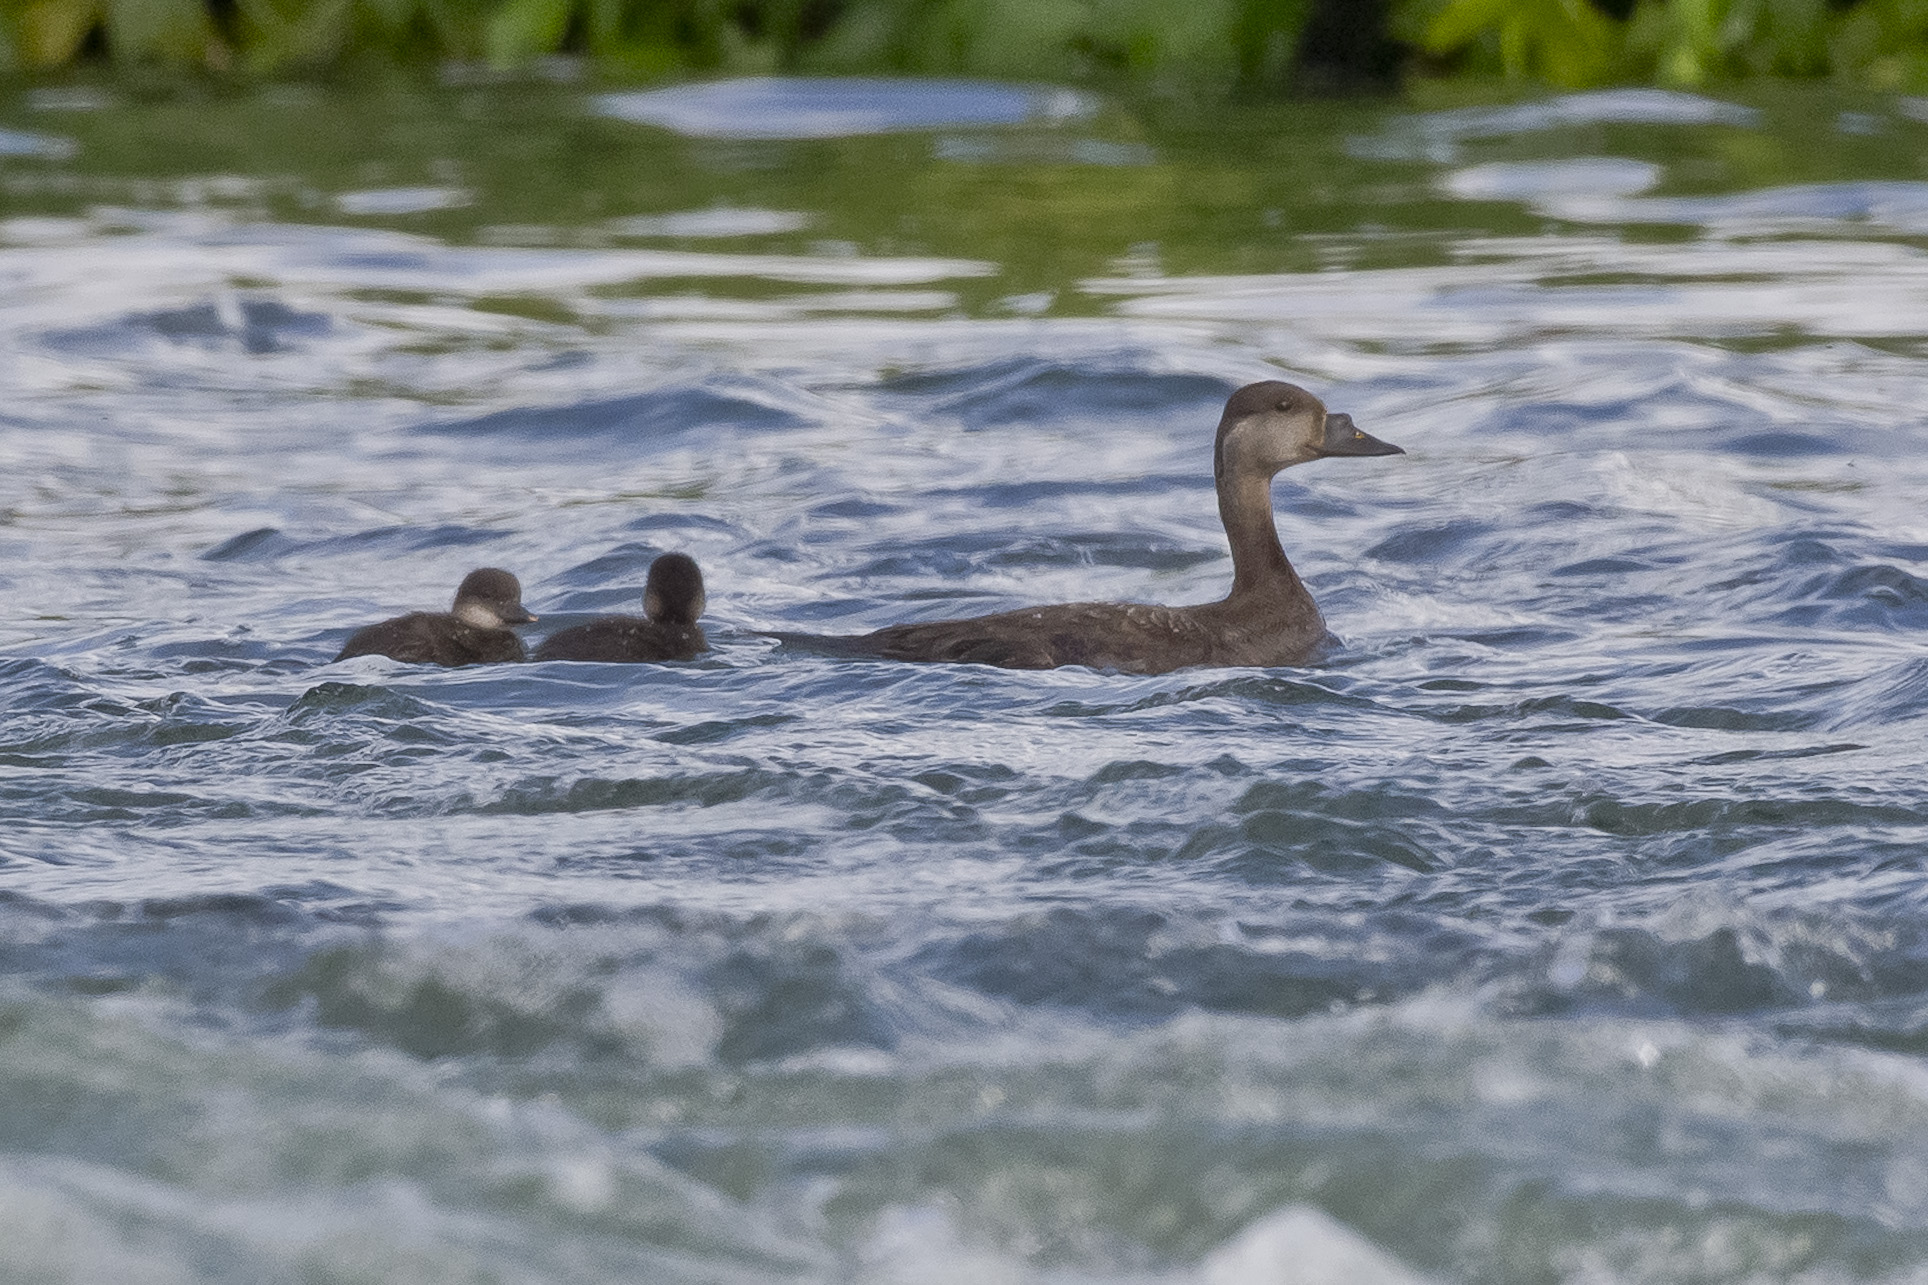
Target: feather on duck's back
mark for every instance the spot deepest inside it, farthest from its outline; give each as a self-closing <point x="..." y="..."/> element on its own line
<point x="475" y="631"/>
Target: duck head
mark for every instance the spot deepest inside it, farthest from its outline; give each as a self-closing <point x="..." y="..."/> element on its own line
<point x="491" y="599"/>
<point x="1273" y="425"/>
<point x="674" y="592"/>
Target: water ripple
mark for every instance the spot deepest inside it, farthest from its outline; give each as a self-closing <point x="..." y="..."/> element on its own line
<point x="1580" y="879"/>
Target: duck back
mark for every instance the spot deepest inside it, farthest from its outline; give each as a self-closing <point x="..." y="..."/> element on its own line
<point x="625" y="640"/>
<point x="435" y="638"/>
<point x="1132" y="638"/>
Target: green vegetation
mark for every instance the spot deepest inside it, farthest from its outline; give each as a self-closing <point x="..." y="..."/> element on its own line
<point x="1215" y="43"/>
<point x="1201" y="48"/>
<point x="1881" y="44"/>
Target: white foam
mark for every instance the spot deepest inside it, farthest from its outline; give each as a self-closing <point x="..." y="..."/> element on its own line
<point x="1542" y="180"/>
<point x="1303" y="1245"/>
<point x="720" y="222"/>
<point x="402" y="200"/>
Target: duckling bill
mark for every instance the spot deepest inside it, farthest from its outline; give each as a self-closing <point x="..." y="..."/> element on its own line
<point x="1268" y="618"/>
<point x="667" y="630"/>
<point x="476" y="630"/>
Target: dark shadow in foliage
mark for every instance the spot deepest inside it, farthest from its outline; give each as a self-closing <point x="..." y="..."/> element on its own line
<point x="1344" y="48"/>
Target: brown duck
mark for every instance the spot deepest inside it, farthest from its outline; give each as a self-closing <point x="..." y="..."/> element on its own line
<point x="475" y="631"/>
<point x="1268" y="618"/>
<point x="672" y="600"/>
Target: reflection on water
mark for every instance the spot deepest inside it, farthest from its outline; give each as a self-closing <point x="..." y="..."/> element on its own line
<point x="1440" y="136"/>
<point x="777" y="108"/>
<point x="1564" y="927"/>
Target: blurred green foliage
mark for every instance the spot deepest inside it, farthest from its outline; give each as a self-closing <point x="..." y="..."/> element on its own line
<point x="1880" y="44"/>
<point x="1212" y="44"/>
<point x="1200" y="48"/>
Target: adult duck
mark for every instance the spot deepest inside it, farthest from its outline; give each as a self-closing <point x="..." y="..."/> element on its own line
<point x="1268" y="618"/>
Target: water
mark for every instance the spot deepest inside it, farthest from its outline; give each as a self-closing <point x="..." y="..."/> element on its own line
<point x="1566" y="925"/>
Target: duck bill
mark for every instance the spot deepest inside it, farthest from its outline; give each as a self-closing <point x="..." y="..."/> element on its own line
<point x="520" y="616"/>
<point x="1342" y="437"/>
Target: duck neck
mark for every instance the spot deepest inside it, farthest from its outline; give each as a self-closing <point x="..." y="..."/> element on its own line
<point x="1258" y="561"/>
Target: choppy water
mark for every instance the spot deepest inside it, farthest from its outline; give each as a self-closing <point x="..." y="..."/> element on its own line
<point x="1565" y="926"/>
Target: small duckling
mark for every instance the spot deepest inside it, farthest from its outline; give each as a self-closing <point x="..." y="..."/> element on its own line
<point x="672" y="600"/>
<point x="475" y="631"/>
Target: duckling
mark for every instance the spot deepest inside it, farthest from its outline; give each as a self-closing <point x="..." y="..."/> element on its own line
<point x="475" y="631"/>
<point x="672" y="600"/>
